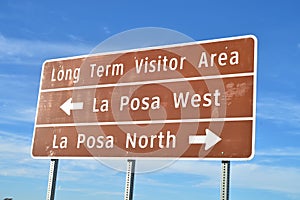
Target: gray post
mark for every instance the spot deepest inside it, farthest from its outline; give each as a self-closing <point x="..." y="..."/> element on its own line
<point x="129" y="180"/>
<point x="52" y="179"/>
<point x="225" y="180"/>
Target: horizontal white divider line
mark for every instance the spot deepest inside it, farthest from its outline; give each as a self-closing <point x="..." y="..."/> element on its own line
<point x="151" y="82"/>
<point x="167" y="121"/>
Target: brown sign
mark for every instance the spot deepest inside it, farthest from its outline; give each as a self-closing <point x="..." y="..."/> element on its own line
<point x="192" y="100"/>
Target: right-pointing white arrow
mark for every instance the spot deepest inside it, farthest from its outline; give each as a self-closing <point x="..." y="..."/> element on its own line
<point x="210" y="139"/>
<point x="68" y="106"/>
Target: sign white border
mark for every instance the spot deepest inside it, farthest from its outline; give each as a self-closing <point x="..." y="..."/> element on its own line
<point x="253" y="118"/>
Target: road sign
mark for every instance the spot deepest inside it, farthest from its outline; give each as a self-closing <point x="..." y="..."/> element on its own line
<point x="191" y="100"/>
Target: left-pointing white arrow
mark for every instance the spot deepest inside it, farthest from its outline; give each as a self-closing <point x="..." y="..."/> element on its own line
<point x="210" y="139"/>
<point x="68" y="106"/>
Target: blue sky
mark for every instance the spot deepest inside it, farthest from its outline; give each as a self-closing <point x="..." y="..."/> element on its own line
<point x="33" y="31"/>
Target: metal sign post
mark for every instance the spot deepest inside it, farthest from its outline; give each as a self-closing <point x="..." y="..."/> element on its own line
<point x="129" y="180"/>
<point x="52" y="179"/>
<point x="225" y="180"/>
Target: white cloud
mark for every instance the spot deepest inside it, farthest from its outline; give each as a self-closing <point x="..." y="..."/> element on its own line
<point x="19" y="115"/>
<point x="286" y="152"/>
<point x="15" y="156"/>
<point x="91" y="192"/>
<point x="17" y="104"/>
<point x="274" y="178"/>
<point x="109" y="193"/>
<point x="23" y="51"/>
<point x="279" y="110"/>
<point x="75" y="38"/>
<point x="246" y="175"/>
<point x="209" y="171"/>
<point x="10" y="141"/>
<point x="106" y="30"/>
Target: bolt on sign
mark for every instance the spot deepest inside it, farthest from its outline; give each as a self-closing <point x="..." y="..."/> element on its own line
<point x="190" y="100"/>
